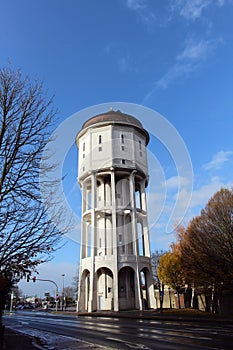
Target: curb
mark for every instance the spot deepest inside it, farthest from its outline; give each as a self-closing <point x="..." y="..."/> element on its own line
<point x="155" y="316"/>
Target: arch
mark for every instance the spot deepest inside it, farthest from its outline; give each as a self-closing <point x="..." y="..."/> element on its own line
<point x="126" y="288"/>
<point x="84" y="291"/>
<point x="144" y="278"/>
<point x="122" y="192"/>
<point x="104" y="289"/>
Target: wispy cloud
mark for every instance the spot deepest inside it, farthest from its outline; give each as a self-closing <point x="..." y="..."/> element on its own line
<point x="203" y="193"/>
<point x="125" y="64"/>
<point x="121" y="56"/>
<point x="193" y="9"/>
<point x="196" y="51"/>
<point x="200" y="196"/>
<point x="161" y="204"/>
<point x="175" y="72"/>
<point x="136" y="5"/>
<point x="176" y="181"/>
<point x="187" y="62"/>
<point x="142" y="9"/>
<point x="218" y="160"/>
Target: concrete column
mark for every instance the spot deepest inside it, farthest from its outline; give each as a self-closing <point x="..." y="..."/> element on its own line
<point x="138" y="299"/>
<point x="83" y="232"/>
<point x="114" y="241"/>
<point x="143" y="195"/>
<point x="146" y="240"/>
<point x="93" y="234"/>
<point x="109" y="242"/>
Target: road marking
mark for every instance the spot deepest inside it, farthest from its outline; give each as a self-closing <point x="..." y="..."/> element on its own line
<point x="130" y="344"/>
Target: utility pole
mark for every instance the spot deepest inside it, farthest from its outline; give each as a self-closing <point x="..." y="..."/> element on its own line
<point x="63" y="291"/>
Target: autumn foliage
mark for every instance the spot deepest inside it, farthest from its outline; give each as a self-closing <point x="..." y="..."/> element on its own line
<point x="207" y="244"/>
<point x="203" y="253"/>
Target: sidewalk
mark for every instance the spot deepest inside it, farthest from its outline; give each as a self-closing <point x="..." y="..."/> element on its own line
<point x="166" y="314"/>
<point x="16" y="341"/>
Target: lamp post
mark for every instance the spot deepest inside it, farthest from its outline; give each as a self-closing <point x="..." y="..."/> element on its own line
<point x="63" y="294"/>
<point x="12" y="299"/>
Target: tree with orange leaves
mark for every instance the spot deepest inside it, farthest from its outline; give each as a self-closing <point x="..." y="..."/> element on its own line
<point x="206" y="246"/>
<point x="170" y="270"/>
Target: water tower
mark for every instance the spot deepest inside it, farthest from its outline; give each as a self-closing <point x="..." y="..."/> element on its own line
<point x="115" y="269"/>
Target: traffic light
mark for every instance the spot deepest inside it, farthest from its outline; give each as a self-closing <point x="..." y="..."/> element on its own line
<point x="28" y="278"/>
<point x="34" y="279"/>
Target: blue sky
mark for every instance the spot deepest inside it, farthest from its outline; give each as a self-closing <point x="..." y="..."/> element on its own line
<point x="172" y="56"/>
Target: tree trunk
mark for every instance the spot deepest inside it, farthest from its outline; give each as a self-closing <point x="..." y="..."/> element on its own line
<point x="178" y="296"/>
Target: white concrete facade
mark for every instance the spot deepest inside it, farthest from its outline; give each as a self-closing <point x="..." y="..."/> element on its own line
<point x="115" y="269"/>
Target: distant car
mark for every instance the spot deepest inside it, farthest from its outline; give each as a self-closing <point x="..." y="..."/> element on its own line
<point x="19" y="307"/>
<point x="28" y="306"/>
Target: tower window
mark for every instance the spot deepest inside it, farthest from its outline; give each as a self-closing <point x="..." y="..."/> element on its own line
<point x="100" y="139"/>
<point x="83" y="155"/>
<point x="122" y="138"/>
<point x="100" y="149"/>
<point x="83" y="146"/>
<point x="123" y="161"/>
<point x="140" y="144"/>
<point x="122" y="148"/>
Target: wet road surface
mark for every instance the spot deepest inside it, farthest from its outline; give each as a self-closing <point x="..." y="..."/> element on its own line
<point x="122" y="333"/>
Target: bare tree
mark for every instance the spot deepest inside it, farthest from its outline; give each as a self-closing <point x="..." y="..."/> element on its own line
<point x="75" y="283"/>
<point x="155" y="258"/>
<point x="27" y="235"/>
<point x="69" y="292"/>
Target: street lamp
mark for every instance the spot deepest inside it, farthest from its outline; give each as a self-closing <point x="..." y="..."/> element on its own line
<point x="63" y="293"/>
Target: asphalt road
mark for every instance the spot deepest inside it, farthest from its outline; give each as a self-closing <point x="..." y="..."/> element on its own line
<point x="121" y="333"/>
